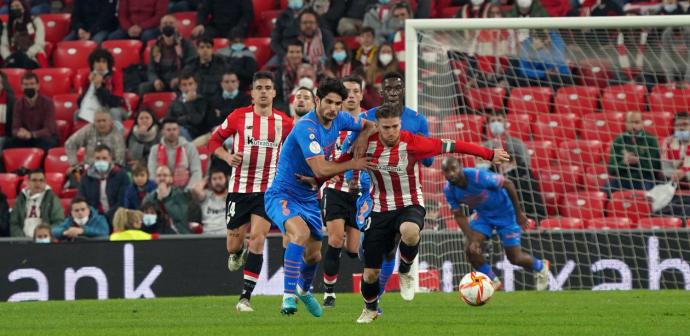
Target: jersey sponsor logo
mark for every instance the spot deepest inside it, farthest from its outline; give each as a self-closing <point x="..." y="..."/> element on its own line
<point x="314" y="147"/>
<point x="396" y="169"/>
<point x="251" y="141"/>
<point x="312" y="136"/>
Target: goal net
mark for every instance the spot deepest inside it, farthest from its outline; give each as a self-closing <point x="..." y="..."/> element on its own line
<point x="594" y="114"/>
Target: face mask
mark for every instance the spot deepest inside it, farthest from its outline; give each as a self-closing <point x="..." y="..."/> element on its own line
<point x="30" y="93"/>
<point x="385" y="58"/>
<point x="230" y="94"/>
<point x="496" y="127"/>
<point x="295" y="4"/>
<point x="81" y="221"/>
<point x="168" y="31"/>
<point x="237" y="46"/>
<point x="682" y="135"/>
<point x="429" y="56"/>
<point x="150" y="219"/>
<point x="339" y="56"/>
<point x="383" y="2"/>
<point x="45" y="240"/>
<point x="524" y="3"/>
<point x="483" y="165"/>
<point x="477" y="2"/>
<point x="101" y="166"/>
<point x="306" y="82"/>
<point x="670" y="8"/>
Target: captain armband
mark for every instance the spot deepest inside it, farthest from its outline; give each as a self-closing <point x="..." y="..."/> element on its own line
<point x="447" y="146"/>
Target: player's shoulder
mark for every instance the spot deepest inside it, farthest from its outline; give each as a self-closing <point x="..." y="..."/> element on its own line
<point x="413" y="114"/>
<point x="281" y="114"/>
<point x="407" y="136"/>
<point x="370" y="114"/>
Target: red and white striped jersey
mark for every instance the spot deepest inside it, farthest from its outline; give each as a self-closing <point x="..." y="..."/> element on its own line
<point x="259" y="139"/>
<point x="340" y="185"/>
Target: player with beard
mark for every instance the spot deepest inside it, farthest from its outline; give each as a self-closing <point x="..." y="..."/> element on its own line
<point x="303" y="102"/>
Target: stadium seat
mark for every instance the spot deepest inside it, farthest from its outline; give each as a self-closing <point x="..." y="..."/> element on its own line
<point x="127" y="124"/>
<point x="64" y="129"/>
<point x="9" y="184"/>
<point x="56" y="181"/>
<point x="631" y="203"/>
<point x="583" y="205"/>
<point x="559" y="179"/>
<point x="595" y="177"/>
<point x="660" y="223"/>
<point x="623" y="98"/>
<point x="530" y="100"/>
<point x="73" y="54"/>
<point x="465" y="127"/>
<point x="56" y="161"/>
<point x="665" y="99"/>
<point x="220" y="43"/>
<point x="261" y="47"/>
<point x="610" y="223"/>
<point x="17" y="158"/>
<point x="132" y="99"/>
<point x="204" y="156"/>
<point x="65" y="105"/>
<point x="577" y="99"/>
<point x="583" y="153"/>
<point x="56" y="26"/>
<point x="265" y="23"/>
<point x="541" y="153"/>
<point x="449" y="12"/>
<point x="14" y="77"/>
<point x="125" y="52"/>
<point x="186" y="21"/>
<point x="491" y="98"/>
<point x="595" y="72"/>
<point x="604" y="127"/>
<point x="556" y="127"/>
<point x="518" y="125"/>
<point x="66" y="204"/>
<point x="562" y="223"/>
<point x="54" y="80"/>
<point x="659" y="123"/>
<point x="158" y="102"/>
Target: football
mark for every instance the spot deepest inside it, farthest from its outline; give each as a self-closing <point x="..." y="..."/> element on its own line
<point x="476" y="288"/>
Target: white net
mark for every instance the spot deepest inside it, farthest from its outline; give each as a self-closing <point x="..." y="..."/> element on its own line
<point x="561" y="101"/>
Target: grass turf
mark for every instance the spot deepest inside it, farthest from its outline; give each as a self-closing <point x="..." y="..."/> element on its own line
<point x="518" y="313"/>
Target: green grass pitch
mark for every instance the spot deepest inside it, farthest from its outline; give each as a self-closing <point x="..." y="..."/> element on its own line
<point x="518" y="313"/>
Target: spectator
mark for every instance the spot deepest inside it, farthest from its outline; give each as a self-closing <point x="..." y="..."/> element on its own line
<point x="7" y="102"/>
<point x="432" y="218"/>
<point x="190" y="110"/>
<point x="37" y="7"/>
<point x="606" y="8"/>
<point x="380" y="19"/>
<point x="176" y="6"/>
<point x="385" y="62"/>
<point x="527" y="8"/>
<point x="23" y="38"/>
<point x="671" y="7"/>
<point x="33" y="118"/>
<point x="207" y="67"/>
<point x="634" y="159"/>
<point x="144" y="135"/>
<point x="543" y="61"/>
<point x="139" y="19"/>
<point x="490" y="47"/>
<point x="35" y="204"/>
<point x="241" y="61"/>
<point x="82" y="222"/>
<point x="179" y="155"/>
<point x="210" y="194"/>
<point x="104" y="184"/>
<point x="4" y="216"/>
<point x="674" y="46"/>
<point x="127" y="226"/>
<point x="317" y="42"/>
<point x="497" y="137"/>
<point x="302" y="103"/>
<point x="401" y="12"/>
<point x="103" y="89"/>
<point x="675" y="152"/>
<point x="306" y="76"/>
<point x="141" y="186"/>
<point x="168" y="56"/>
<point x="223" y="18"/>
<point x="92" y="20"/>
<point x="285" y="30"/>
<point x="366" y="53"/>
<point x="631" y="45"/>
<point x="286" y="73"/>
<point x="101" y="132"/>
<point x="341" y="63"/>
<point x="155" y="220"/>
<point x="43" y="234"/>
<point x="226" y="101"/>
<point x="171" y="200"/>
<point x="475" y="9"/>
<point x="351" y="21"/>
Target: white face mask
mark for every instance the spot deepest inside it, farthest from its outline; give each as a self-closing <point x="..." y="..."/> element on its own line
<point x="477" y="2"/>
<point x="524" y="3"/>
<point x="81" y="221"/>
<point x="306" y="82"/>
<point x="670" y="8"/>
<point x="385" y="58"/>
<point x="429" y="56"/>
<point x="45" y="240"/>
<point x="496" y="127"/>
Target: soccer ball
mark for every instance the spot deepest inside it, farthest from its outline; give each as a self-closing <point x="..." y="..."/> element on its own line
<point x="476" y="288"/>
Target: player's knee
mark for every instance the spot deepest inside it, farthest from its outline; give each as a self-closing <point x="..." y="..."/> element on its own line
<point x="335" y="240"/>
<point x="313" y="257"/>
<point x="371" y="275"/>
<point x="256" y="242"/>
<point x="409" y="234"/>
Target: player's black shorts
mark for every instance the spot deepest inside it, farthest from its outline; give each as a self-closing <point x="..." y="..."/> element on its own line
<point x="239" y="208"/>
<point x="381" y="229"/>
<point x="336" y="204"/>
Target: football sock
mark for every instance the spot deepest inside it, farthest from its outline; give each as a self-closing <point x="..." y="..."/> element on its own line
<point x="386" y="270"/>
<point x="331" y="265"/>
<point x="537" y="264"/>
<point x="292" y="261"/>
<point x="407" y="255"/>
<point x="370" y="293"/>
<point x="353" y="255"/>
<point x="306" y="276"/>
<point x="251" y="274"/>
<point x="486" y="269"/>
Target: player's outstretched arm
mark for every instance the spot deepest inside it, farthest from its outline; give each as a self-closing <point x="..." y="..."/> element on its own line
<point x="424" y="147"/>
<point x="519" y="214"/>
<point x="326" y="169"/>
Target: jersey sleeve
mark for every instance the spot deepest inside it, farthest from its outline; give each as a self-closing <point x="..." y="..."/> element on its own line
<point x="422" y="147"/>
<point x="350" y="123"/>
<point x="490" y="180"/>
<point x="450" y="197"/>
<point x="308" y="140"/>
<point x="226" y="130"/>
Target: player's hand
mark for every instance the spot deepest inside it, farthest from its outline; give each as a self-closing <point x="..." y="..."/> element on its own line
<point x="308" y="180"/>
<point x="235" y="160"/>
<point x="363" y="163"/>
<point x="334" y="179"/>
<point x="359" y="146"/>
<point x="500" y="156"/>
<point x="523" y="221"/>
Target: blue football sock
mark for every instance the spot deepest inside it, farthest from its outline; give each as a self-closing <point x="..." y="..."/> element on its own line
<point x="537" y="264"/>
<point x="386" y="270"/>
<point x="486" y="269"/>
<point x="292" y="263"/>
<point x="306" y="275"/>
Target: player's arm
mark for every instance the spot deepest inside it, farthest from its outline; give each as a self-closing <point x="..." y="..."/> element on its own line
<point x="324" y="170"/>
<point x="224" y="131"/>
<point x="359" y="145"/>
<point x="519" y="213"/>
<point x="461" y="216"/>
<point x="424" y="147"/>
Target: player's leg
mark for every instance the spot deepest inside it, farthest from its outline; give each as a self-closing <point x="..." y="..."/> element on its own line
<point x="510" y="238"/>
<point x="331" y="263"/>
<point x="388" y="266"/>
<point x="411" y="223"/>
<point x="255" y="258"/>
<point x="297" y="233"/>
<point x="235" y="245"/>
<point x="480" y="232"/>
<point x="378" y="240"/>
<point x="310" y="261"/>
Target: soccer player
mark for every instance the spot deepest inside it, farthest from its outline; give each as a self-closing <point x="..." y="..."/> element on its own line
<point x="258" y="131"/>
<point x="398" y="200"/>
<point x="293" y="205"/>
<point x="338" y="204"/>
<point x="497" y="207"/>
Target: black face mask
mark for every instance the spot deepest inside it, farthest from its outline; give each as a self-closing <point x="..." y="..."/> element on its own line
<point x="30" y="93"/>
<point x="168" y="31"/>
<point x="15" y="13"/>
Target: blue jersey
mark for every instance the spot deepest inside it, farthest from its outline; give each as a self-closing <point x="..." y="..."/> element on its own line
<point x="307" y="140"/>
<point x="484" y="194"/>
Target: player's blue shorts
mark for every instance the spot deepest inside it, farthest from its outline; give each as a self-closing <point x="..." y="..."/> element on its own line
<point x="507" y="229"/>
<point x="280" y="207"/>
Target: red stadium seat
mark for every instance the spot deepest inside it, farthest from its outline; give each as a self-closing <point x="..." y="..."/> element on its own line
<point x="261" y="47"/>
<point x="665" y="99"/>
<point x="261" y="6"/>
<point x="131" y="99"/>
<point x="54" y="80"/>
<point x="595" y="72"/>
<point x="127" y="124"/>
<point x="610" y="223"/>
<point x="66" y="204"/>
<point x="595" y="177"/>
<point x="56" y="161"/>
<point x="73" y="54"/>
<point x="220" y="43"/>
<point x="16" y="158"/>
<point x="465" y="127"/>
<point x="186" y="21"/>
<point x="660" y="223"/>
<point x="56" y="181"/>
<point x="560" y="179"/>
<point x="64" y="129"/>
<point x="623" y="98"/>
<point x="556" y="127"/>
<point x="56" y="26"/>
<point x="582" y="153"/>
<point x="264" y="26"/>
<point x="9" y="184"/>
<point x="158" y="102"/>
<point x="518" y="125"/>
<point x="632" y="204"/>
<point x="659" y="124"/>
<point x="125" y="52"/>
<point x="530" y="100"/>
<point x="541" y="153"/>
<point x="583" y="205"/>
<point x="562" y="223"/>
<point x="486" y="98"/>
<point x="204" y="157"/>
<point x="602" y="126"/>
<point x="449" y="12"/>
<point x="577" y="99"/>
<point x="14" y="77"/>
<point x="65" y="106"/>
